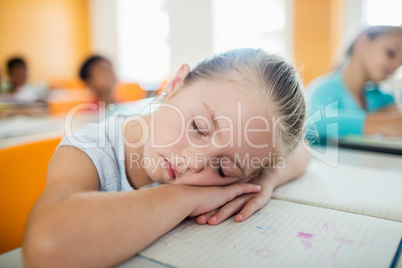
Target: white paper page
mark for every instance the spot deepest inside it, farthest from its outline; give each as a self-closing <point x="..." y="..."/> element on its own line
<point x="282" y="234"/>
<point x="359" y="190"/>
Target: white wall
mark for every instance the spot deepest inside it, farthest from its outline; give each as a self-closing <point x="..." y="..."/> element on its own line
<point x="353" y="15"/>
<point x="352" y="23"/>
<point x="190" y="31"/>
<point x="103" y="28"/>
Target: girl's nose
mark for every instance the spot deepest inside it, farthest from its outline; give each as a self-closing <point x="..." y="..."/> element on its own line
<point x="195" y="161"/>
<point x="195" y="169"/>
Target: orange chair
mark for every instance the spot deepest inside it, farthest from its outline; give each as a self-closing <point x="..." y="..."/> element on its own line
<point x="72" y="84"/>
<point x="68" y="99"/>
<point x="23" y="178"/>
<point x="128" y="92"/>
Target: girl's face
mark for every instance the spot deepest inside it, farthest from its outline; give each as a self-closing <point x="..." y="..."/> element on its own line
<point x="208" y="133"/>
<point x="382" y="56"/>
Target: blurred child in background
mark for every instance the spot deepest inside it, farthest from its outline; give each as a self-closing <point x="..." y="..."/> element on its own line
<point x="22" y="97"/>
<point x="350" y="95"/>
<point x="17" y="84"/>
<point x="97" y="73"/>
<point x="18" y="74"/>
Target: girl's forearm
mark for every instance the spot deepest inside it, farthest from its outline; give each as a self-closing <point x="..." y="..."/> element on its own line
<point x="95" y="229"/>
<point x="102" y="229"/>
<point x="388" y="124"/>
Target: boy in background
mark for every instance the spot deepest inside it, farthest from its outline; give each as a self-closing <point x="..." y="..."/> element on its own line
<point x="18" y="74"/>
<point x="97" y="73"/>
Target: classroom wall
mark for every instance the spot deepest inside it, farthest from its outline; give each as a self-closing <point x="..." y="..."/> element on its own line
<point x="318" y="29"/>
<point x="55" y="36"/>
<point x="103" y="29"/>
<point x="190" y="38"/>
<point x="52" y="35"/>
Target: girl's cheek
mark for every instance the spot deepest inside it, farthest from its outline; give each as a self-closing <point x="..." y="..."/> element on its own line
<point x="167" y="131"/>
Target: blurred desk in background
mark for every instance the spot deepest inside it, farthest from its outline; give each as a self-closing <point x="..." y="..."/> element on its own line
<point x="390" y="145"/>
<point x="21" y="129"/>
<point x="24" y="129"/>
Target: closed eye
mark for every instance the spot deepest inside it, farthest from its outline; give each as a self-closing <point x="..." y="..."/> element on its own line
<point x="195" y="127"/>
<point x="220" y="170"/>
<point x="391" y="53"/>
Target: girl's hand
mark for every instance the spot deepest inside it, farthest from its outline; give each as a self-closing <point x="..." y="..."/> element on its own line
<point x="247" y="204"/>
<point x="388" y="124"/>
<point x="211" y="198"/>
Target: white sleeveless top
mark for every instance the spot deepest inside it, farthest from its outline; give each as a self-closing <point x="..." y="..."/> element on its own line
<point x="104" y="144"/>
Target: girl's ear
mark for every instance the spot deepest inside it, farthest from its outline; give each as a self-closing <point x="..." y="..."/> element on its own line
<point x="177" y="80"/>
<point x="361" y="41"/>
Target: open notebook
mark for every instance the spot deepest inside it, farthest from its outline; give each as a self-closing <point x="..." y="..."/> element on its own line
<point x="330" y="217"/>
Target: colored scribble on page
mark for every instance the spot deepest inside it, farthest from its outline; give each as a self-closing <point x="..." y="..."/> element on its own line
<point x="282" y="234"/>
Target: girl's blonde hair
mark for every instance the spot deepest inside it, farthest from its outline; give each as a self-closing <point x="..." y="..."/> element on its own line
<point x="269" y="78"/>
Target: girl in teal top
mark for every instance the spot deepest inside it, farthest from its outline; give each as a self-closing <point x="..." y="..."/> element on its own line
<point x="348" y="100"/>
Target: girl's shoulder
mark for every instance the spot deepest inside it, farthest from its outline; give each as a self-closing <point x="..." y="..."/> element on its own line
<point x="103" y="143"/>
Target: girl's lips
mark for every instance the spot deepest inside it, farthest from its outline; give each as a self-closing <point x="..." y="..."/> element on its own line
<point x="169" y="169"/>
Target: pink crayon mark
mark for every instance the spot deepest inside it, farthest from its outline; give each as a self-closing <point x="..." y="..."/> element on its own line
<point x="304" y="235"/>
<point x="305" y="239"/>
<point x="307" y="244"/>
<point x="326" y="227"/>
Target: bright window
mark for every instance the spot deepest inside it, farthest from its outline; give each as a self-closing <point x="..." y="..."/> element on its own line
<point x="142" y="33"/>
<point x="383" y="12"/>
<point x="251" y="23"/>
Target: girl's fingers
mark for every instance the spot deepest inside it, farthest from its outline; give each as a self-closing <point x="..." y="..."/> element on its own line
<point x="229" y="209"/>
<point x="251" y="206"/>
<point x="203" y="219"/>
<point x="235" y="190"/>
<point x="210" y="198"/>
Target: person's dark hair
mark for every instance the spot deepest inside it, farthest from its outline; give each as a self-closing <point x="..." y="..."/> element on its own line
<point x="15" y="62"/>
<point x="87" y="65"/>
